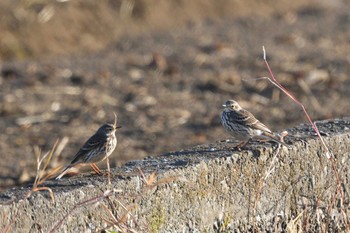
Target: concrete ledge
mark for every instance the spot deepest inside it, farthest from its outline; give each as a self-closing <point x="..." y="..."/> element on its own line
<point x="208" y="188"/>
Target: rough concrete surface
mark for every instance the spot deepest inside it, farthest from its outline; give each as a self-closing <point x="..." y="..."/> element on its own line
<point x="208" y="188"/>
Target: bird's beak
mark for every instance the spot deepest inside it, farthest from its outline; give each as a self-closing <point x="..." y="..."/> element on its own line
<point x="224" y="105"/>
<point x="117" y="127"/>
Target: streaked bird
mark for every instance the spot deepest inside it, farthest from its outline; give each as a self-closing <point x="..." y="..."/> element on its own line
<point x="97" y="148"/>
<point x="243" y="125"/>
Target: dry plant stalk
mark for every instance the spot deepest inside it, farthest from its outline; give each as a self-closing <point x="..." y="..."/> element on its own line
<point x="328" y="153"/>
<point x="150" y="181"/>
<point x="107" y="158"/>
<point x="39" y="171"/>
<point x="6" y="227"/>
<point x="274" y="81"/>
<point x="113" y="220"/>
<point x="261" y="182"/>
<point x="39" y="179"/>
<point x="292" y="225"/>
<point x="95" y="200"/>
<point x="120" y="221"/>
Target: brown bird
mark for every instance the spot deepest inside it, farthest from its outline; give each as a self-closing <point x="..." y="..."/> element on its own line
<point x="97" y="148"/>
<point x="243" y="125"/>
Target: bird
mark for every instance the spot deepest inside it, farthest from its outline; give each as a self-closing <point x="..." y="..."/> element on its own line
<point x="243" y="125"/>
<point x="97" y="148"/>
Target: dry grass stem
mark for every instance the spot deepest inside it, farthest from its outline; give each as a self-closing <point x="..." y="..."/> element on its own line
<point x="150" y="181"/>
<point x="6" y="228"/>
<point x="90" y="201"/>
<point x="274" y="81"/>
<point x="108" y="174"/>
<point x="107" y="159"/>
<point x="328" y="153"/>
<point x="293" y="224"/>
<point x="38" y="178"/>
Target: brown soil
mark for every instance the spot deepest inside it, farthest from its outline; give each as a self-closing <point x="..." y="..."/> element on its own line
<point x="167" y="85"/>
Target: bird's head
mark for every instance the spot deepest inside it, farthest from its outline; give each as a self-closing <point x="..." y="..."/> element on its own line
<point x="107" y="129"/>
<point x="232" y="105"/>
<point x="110" y="128"/>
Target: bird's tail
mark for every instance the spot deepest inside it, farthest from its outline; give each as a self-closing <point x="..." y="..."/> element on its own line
<point x="63" y="172"/>
<point x="274" y="138"/>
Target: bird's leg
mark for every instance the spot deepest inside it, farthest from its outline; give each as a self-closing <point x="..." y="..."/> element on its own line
<point x="282" y="135"/>
<point x="96" y="169"/>
<point x="242" y="144"/>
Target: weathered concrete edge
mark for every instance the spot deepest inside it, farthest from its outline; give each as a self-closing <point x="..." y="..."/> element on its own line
<point x="220" y="191"/>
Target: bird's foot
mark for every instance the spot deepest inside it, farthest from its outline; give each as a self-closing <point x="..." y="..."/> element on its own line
<point x="282" y="135"/>
<point x="241" y="145"/>
<point x="96" y="169"/>
<point x="107" y="173"/>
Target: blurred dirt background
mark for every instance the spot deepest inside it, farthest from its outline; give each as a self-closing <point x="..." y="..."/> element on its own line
<point x="165" y="67"/>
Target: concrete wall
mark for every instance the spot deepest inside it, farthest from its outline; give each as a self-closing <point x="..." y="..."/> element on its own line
<point x="208" y="188"/>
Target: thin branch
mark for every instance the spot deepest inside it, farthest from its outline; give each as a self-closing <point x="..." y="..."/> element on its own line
<point x="274" y="81"/>
<point x="328" y="154"/>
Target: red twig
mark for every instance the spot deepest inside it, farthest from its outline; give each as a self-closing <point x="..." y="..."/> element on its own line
<point x="274" y="81"/>
<point x="328" y="154"/>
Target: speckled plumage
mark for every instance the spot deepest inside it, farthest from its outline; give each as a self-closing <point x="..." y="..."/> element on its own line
<point x="97" y="148"/>
<point x="243" y="125"/>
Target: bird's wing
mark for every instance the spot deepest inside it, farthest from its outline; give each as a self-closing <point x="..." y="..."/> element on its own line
<point x="92" y="143"/>
<point x="244" y="117"/>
